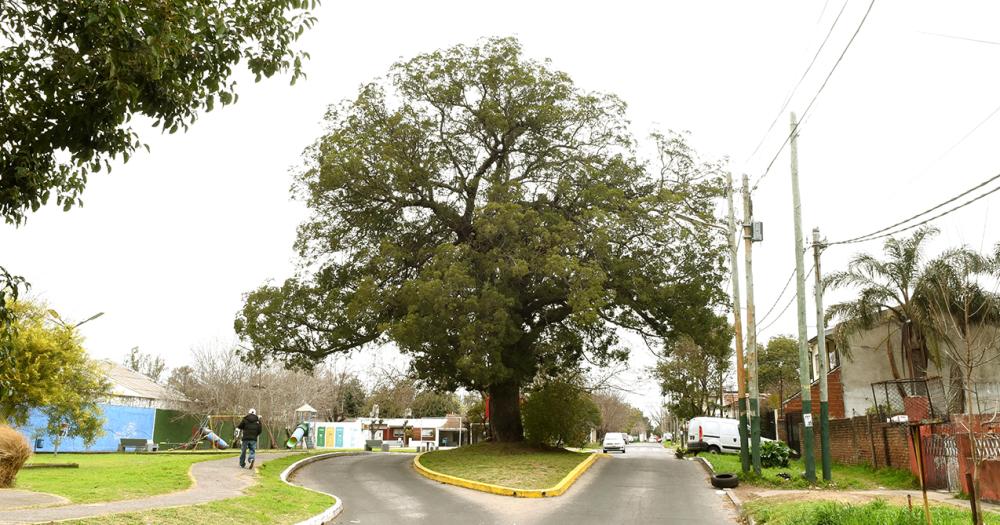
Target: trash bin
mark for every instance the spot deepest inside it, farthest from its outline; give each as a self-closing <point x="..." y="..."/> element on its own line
<point x="385" y="447"/>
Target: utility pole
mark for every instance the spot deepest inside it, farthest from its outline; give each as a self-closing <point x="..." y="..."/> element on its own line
<point x="741" y="401"/>
<point x="751" y="330"/>
<point x="800" y="288"/>
<point x="824" y="406"/>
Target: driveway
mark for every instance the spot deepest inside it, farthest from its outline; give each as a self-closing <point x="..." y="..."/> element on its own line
<point x="644" y="485"/>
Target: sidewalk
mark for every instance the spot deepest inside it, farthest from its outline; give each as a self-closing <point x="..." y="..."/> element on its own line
<point x="887" y="494"/>
<point x="213" y="480"/>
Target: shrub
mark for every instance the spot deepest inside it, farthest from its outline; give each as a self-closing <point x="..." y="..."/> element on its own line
<point x="774" y="454"/>
<point x="559" y="414"/>
<point x="14" y="451"/>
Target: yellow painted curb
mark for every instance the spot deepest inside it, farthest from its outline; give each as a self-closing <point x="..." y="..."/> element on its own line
<point x="557" y="490"/>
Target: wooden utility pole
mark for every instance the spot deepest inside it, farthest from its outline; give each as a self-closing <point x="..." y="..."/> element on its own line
<point x="738" y="328"/>
<point x="824" y="406"/>
<point x="751" y="354"/>
<point x="800" y="288"/>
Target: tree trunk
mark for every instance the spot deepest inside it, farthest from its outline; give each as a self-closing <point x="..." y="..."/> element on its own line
<point x="505" y="412"/>
<point x="894" y="370"/>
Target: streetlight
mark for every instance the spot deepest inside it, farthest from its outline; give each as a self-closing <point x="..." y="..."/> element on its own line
<point x="55" y="315"/>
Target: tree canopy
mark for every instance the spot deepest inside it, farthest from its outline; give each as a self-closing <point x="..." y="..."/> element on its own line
<point x="694" y="373"/>
<point x="493" y="220"/>
<point x="75" y="73"/>
<point x="778" y="368"/>
<point x="48" y="367"/>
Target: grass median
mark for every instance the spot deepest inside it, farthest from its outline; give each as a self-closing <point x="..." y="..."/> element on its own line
<point x="769" y="512"/>
<point x="854" y="477"/>
<point x="513" y="465"/>
<point x="110" y="477"/>
<point x="270" y="501"/>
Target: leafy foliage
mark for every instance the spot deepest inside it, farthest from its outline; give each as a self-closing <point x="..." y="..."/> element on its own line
<point x="149" y="365"/>
<point x="490" y="218"/>
<point x="429" y="403"/>
<point x="774" y="454"/>
<point x="888" y="288"/>
<point x="694" y="372"/>
<point x="50" y="369"/>
<point x="75" y="73"/>
<point x="559" y="414"/>
<point x="778" y="365"/>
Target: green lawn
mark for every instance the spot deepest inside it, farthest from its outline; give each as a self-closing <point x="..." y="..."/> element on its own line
<point x="853" y="477"/>
<point x="513" y="465"/>
<point x="878" y="512"/>
<point x="269" y="502"/>
<point x="107" y="477"/>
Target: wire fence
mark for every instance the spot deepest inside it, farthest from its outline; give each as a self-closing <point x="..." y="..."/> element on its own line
<point x="905" y="401"/>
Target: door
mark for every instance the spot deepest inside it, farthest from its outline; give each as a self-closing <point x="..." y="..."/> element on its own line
<point x="792" y="422"/>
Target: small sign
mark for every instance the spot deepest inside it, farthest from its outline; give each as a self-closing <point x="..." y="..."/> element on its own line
<point x="807" y="420"/>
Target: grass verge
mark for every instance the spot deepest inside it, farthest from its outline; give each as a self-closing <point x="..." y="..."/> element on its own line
<point x="270" y="501"/>
<point x="109" y="477"/>
<point x="770" y="512"/>
<point x="854" y="477"/>
<point x="513" y="465"/>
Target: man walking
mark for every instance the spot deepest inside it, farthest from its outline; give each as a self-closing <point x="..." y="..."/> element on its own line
<point x="250" y="428"/>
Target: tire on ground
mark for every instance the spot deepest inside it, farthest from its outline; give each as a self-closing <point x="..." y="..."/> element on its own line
<point x="725" y="481"/>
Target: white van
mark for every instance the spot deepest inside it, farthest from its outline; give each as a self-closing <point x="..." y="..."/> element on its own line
<point x="714" y="434"/>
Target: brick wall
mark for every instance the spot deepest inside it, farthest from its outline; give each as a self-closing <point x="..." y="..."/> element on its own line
<point x="862" y="440"/>
<point x="834" y="392"/>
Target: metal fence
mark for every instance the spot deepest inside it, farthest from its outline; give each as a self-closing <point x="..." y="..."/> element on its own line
<point x="910" y="401"/>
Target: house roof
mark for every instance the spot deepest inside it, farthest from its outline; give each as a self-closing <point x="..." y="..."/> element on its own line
<point x="306" y="408"/>
<point x="129" y="383"/>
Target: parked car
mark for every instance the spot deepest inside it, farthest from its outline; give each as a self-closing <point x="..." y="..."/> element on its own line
<point x="614" y="441"/>
<point x="715" y="434"/>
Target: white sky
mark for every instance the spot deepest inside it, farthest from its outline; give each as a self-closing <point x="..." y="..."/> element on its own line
<point x="167" y="244"/>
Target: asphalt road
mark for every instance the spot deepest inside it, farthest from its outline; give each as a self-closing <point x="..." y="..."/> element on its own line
<point x="645" y="485"/>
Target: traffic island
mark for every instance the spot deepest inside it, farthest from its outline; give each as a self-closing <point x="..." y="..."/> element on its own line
<point x="507" y="469"/>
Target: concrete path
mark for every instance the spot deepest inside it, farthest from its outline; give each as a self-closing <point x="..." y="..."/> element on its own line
<point x="644" y="485"/>
<point x="214" y="480"/>
<point x="11" y="499"/>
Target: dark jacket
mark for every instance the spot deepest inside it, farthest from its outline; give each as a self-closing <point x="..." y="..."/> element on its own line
<point x="250" y="426"/>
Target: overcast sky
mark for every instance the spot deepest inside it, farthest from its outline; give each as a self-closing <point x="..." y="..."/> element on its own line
<point x="167" y="244"/>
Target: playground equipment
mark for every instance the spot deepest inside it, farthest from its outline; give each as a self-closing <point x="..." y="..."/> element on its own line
<point x="214" y="439"/>
<point x="300" y="432"/>
<point x="304" y="415"/>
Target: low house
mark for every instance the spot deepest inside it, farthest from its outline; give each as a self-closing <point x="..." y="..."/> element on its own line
<point x="435" y="431"/>
<point x="138" y="408"/>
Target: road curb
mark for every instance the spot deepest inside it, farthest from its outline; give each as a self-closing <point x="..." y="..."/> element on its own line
<point x="334" y="510"/>
<point x="550" y="492"/>
<point x="737" y="502"/>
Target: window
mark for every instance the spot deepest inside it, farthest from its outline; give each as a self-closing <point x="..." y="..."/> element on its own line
<point x="427" y="433"/>
<point x="397" y="433"/>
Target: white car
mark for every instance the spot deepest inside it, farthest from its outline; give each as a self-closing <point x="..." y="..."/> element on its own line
<point x="614" y="441"/>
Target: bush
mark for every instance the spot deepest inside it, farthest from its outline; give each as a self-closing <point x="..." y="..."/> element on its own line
<point x="14" y="451"/>
<point x="559" y="414"/>
<point x="774" y="454"/>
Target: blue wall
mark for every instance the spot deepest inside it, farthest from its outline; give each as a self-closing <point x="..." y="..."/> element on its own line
<point x="120" y="422"/>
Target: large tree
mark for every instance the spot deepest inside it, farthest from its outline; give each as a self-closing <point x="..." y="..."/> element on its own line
<point x="779" y="368"/>
<point x="490" y="218"/>
<point x="692" y="376"/>
<point x="889" y="290"/>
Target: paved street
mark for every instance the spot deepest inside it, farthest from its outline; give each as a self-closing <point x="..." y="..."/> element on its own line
<point x="645" y="485"/>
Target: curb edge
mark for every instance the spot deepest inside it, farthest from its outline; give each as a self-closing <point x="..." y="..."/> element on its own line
<point x="334" y="510"/>
<point x="550" y="492"/>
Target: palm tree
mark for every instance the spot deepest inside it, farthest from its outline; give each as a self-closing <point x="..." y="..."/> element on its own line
<point x="889" y="289"/>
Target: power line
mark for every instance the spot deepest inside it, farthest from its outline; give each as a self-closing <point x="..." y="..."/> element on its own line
<point x="875" y="234"/>
<point x="811" y="102"/>
<point x="787" y="306"/>
<point x="967" y="39"/>
<point x="799" y="83"/>
<point x="780" y="295"/>
<point x="960" y="141"/>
